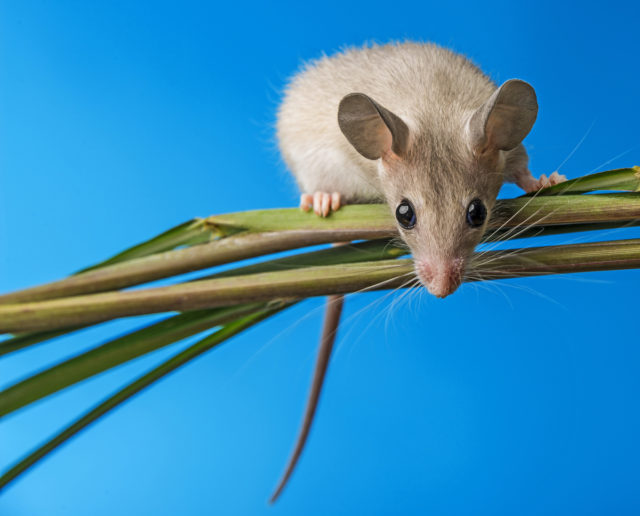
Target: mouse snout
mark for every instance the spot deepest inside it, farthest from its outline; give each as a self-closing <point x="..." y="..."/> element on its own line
<point x="441" y="277"/>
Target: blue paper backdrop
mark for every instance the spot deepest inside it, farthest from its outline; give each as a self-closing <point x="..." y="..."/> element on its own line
<point x="121" y="119"/>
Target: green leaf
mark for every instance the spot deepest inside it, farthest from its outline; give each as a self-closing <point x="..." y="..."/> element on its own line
<point x="192" y="232"/>
<point x="182" y="358"/>
<point x="116" y="352"/>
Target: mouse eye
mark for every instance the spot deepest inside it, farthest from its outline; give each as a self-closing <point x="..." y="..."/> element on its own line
<point x="405" y="214"/>
<point x="476" y="213"/>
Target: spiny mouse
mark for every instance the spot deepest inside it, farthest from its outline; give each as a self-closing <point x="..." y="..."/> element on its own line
<point x="416" y="126"/>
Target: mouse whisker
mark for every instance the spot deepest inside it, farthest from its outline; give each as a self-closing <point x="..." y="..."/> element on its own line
<point x="493" y="287"/>
<point x="520" y="228"/>
<point x="518" y="286"/>
<point x="532" y="291"/>
<point x="314" y="312"/>
<point x="618" y="156"/>
<point x="578" y="145"/>
<point x="409" y="288"/>
<point x="516" y="231"/>
<point x="481" y="264"/>
<point x="512" y="216"/>
<point x="383" y="282"/>
<point x="374" y="303"/>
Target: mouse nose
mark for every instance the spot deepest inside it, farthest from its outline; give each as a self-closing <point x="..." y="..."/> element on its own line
<point x="440" y="277"/>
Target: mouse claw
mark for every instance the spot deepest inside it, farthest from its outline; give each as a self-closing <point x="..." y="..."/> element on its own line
<point x="317" y="203"/>
<point x="306" y="202"/>
<point x="326" y="204"/>
<point x="322" y="203"/>
<point x="335" y="201"/>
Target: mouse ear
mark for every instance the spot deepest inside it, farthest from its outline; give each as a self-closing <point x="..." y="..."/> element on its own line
<point x="504" y="120"/>
<point x="371" y="128"/>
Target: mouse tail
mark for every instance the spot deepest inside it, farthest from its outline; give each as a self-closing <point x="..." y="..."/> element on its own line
<point x="329" y="330"/>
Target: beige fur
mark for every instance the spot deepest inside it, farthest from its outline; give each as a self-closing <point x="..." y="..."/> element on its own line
<point x="435" y="92"/>
<point x="429" y="87"/>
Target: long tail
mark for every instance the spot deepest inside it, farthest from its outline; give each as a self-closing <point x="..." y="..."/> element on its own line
<point x="329" y="330"/>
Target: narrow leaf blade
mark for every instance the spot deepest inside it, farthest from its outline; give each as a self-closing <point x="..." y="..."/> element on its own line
<point x="116" y="352"/>
<point x="182" y="358"/>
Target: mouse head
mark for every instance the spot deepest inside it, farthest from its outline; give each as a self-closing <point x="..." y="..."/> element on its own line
<point x="441" y="182"/>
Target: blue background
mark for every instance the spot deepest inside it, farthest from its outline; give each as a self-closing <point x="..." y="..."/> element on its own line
<point x="121" y="119"/>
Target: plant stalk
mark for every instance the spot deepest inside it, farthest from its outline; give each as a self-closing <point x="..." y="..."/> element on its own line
<point x="271" y="231"/>
<point x="301" y="283"/>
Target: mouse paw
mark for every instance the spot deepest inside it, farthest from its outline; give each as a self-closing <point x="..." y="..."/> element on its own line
<point x="553" y="179"/>
<point x="530" y="184"/>
<point x="321" y="202"/>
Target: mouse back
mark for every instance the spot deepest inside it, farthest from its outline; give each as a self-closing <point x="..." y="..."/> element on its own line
<point x="412" y="80"/>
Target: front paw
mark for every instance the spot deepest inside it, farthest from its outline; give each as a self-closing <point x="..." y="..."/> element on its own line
<point x="321" y="202"/>
<point x="531" y="184"/>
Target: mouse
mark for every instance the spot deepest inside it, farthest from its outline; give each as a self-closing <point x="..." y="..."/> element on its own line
<point x="420" y="128"/>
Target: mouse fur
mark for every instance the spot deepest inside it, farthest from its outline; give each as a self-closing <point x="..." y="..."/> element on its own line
<point x="438" y="153"/>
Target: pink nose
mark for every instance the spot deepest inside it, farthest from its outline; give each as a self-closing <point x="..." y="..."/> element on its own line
<point x="440" y="277"/>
